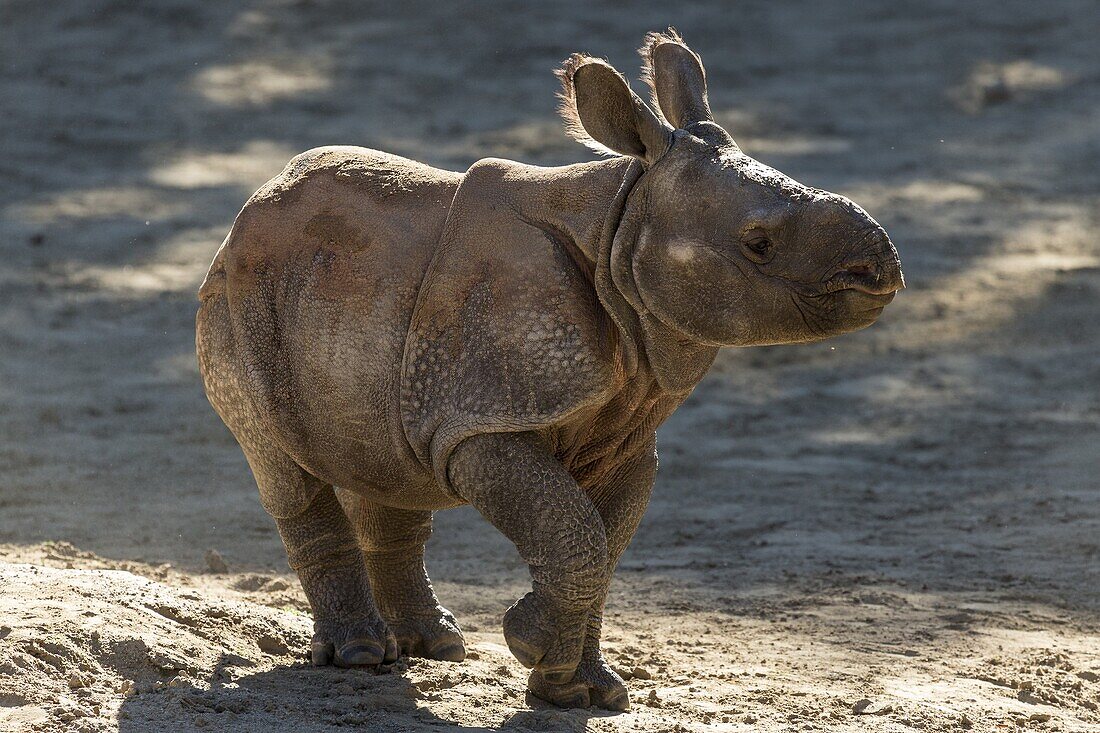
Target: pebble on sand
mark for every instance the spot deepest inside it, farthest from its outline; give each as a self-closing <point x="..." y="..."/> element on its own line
<point x="866" y="707"/>
<point x="272" y="645"/>
<point x="215" y="563"/>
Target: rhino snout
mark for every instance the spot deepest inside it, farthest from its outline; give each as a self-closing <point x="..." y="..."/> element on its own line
<point x="877" y="274"/>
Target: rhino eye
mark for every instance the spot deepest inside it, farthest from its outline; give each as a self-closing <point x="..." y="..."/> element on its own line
<point x="759" y="246"/>
<point x="757" y="243"/>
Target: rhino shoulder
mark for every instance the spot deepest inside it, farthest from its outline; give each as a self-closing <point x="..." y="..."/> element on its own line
<point x="508" y="333"/>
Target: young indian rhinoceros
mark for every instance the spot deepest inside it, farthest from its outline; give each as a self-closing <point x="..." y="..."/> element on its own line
<point x="509" y="337"/>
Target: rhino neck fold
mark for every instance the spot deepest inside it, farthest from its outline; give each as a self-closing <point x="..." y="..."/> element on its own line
<point x="581" y="208"/>
<point x="673" y="359"/>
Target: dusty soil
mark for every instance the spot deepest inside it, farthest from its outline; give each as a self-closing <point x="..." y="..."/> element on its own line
<point x="894" y="530"/>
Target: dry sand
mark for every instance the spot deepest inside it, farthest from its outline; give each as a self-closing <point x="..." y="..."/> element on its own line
<point x="894" y="530"/>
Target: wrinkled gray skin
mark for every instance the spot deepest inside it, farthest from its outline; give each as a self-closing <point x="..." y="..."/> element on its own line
<point x="510" y="337"/>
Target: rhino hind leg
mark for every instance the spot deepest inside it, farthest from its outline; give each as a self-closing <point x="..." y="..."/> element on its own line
<point x="321" y="547"/>
<point x="392" y="541"/>
<point x="320" y="543"/>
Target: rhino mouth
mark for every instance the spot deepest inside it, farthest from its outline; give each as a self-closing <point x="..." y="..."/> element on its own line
<point x="865" y="296"/>
<point x="870" y="284"/>
<point x="861" y="303"/>
<point x="870" y="301"/>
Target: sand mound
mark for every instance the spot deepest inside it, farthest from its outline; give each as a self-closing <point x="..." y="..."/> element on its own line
<point x="84" y="643"/>
<point x="92" y="650"/>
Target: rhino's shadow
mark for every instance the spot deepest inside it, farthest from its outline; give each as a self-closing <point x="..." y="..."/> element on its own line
<point x="299" y="697"/>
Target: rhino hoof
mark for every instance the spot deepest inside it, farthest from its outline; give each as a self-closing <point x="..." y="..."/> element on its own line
<point x="542" y="638"/>
<point x="361" y="643"/>
<point x="436" y="636"/>
<point x="590" y="686"/>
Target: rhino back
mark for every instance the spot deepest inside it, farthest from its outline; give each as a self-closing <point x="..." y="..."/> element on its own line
<point x="320" y="275"/>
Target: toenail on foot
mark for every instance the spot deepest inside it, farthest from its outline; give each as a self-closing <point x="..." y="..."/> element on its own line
<point x="361" y="654"/>
<point x="321" y="653"/>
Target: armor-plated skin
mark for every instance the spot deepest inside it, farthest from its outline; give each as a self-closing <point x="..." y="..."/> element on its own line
<point x="510" y="338"/>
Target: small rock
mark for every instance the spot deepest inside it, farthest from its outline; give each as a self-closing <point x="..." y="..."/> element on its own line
<point x="965" y="722"/>
<point x="75" y="681"/>
<point x="653" y="701"/>
<point x="471" y="654"/>
<point x="272" y="645"/>
<point x="1026" y="695"/>
<point x="641" y="673"/>
<point x="1086" y="676"/>
<point x="215" y="563"/>
<point x="623" y="672"/>
<point x="1040" y="717"/>
<point x="866" y="707"/>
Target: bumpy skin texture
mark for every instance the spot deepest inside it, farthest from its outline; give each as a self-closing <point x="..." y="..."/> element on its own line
<point x="510" y="338"/>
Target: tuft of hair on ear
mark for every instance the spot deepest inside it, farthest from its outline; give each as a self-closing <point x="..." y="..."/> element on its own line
<point x="653" y="39"/>
<point x="567" y="105"/>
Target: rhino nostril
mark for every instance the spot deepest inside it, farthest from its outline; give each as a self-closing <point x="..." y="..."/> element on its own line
<point x="866" y="277"/>
<point x="860" y="268"/>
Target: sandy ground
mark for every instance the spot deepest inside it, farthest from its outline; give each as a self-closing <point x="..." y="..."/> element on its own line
<point x="894" y="530"/>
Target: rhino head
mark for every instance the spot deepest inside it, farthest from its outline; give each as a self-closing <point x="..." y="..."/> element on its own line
<point x="717" y="247"/>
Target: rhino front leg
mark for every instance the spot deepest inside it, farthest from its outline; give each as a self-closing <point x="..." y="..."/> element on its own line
<point x="525" y="492"/>
<point x="621" y="502"/>
<point x="393" y="541"/>
<point x="321" y="547"/>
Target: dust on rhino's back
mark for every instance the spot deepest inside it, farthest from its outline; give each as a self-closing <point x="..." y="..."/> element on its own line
<point x="320" y="275"/>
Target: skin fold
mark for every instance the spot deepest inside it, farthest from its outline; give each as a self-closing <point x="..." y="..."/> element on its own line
<point x="386" y="339"/>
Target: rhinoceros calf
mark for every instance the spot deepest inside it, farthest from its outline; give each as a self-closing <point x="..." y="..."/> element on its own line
<point x="509" y="337"/>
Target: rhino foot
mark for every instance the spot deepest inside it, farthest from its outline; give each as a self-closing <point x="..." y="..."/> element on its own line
<point x="351" y="644"/>
<point x="594" y="683"/>
<point x="544" y="637"/>
<point x="435" y="635"/>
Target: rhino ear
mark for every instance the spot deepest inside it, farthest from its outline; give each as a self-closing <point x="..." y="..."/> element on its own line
<point x="678" y="84"/>
<point x="601" y="111"/>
